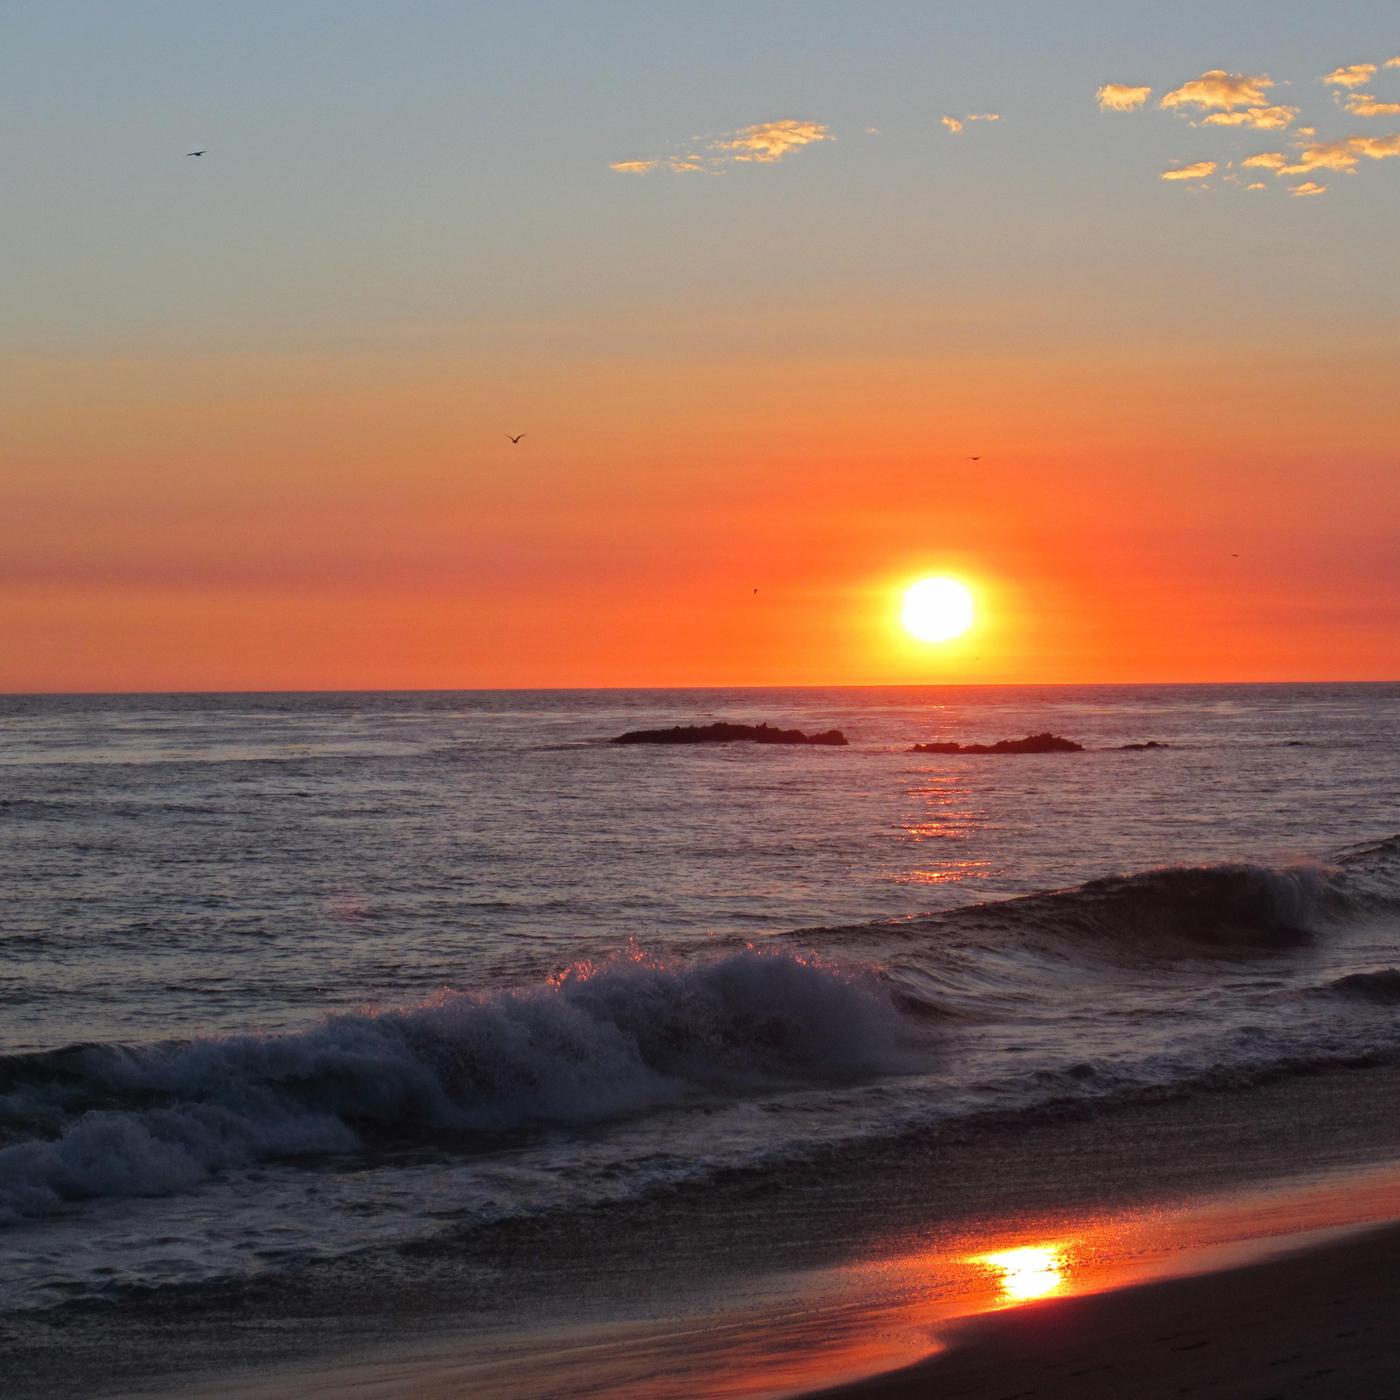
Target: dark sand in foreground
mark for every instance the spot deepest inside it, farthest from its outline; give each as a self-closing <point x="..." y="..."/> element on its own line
<point x="1316" y="1325"/>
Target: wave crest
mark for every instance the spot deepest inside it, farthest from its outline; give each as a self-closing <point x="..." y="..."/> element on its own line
<point x="1381" y="988"/>
<point x="1219" y="906"/>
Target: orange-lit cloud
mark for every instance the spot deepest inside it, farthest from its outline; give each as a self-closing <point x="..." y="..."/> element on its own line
<point x="1353" y="75"/>
<point x="1199" y="171"/>
<point x="1308" y="187"/>
<point x="1217" y="88"/>
<point x="1344" y="154"/>
<point x="1393" y="62"/>
<point x="1362" y="104"/>
<point x="1122" y="97"/>
<point x="957" y="124"/>
<point x="1257" y="185"/>
<point x="1259" y="118"/>
<point x="765" y="142"/>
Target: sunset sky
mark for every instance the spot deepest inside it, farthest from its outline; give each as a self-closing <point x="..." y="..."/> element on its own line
<point x="755" y="280"/>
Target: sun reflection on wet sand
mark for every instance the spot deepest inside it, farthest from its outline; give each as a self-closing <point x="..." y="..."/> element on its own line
<point x="1033" y="1271"/>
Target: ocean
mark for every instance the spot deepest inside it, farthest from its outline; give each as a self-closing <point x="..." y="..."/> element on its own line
<point x="293" y="980"/>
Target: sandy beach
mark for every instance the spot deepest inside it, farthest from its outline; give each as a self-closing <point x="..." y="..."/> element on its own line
<point x="1318" y="1323"/>
<point x="1315" y="1319"/>
<point x="1280" y="1199"/>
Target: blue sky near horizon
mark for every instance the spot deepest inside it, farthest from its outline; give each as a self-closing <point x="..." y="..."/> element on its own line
<point x="381" y="163"/>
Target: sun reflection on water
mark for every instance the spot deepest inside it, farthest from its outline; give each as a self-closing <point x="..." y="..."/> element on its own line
<point x="1034" y="1271"/>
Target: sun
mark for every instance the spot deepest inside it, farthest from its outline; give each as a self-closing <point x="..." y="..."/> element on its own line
<point x="937" y="609"/>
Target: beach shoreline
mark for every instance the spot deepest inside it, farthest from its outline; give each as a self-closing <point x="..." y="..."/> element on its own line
<point x="1315" y="1322"/>
<point x="1195" y="1186"/>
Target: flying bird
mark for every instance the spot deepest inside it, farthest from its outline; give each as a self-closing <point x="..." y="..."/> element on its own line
<point x="193" y="153"/>
<point x="974" y="459"/>
<point x="515" y="437"/>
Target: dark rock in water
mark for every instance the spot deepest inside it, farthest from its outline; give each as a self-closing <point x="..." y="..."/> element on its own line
<point x="722" y="733"/>
<point x="1150" y="744"/>
<point x="1033" y="743"/>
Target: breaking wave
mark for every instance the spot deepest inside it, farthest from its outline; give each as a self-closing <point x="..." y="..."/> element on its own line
<point x="594" y="1043"/>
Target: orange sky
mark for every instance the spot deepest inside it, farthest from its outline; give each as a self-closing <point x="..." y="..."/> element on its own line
<point x="254" y="411"/>
<point x="269" y="522"/>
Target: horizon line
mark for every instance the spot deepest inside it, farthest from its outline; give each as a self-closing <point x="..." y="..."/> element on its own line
<point x="608" y="689"/>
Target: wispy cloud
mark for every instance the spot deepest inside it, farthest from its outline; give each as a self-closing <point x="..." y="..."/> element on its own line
<point x="1362" y="104"/>
<point x="1122" y="97"/>
<point x="1344" y="155"/>
<point x="766" y="142"/>
<point x="1308" y="187"/>
<point x="1259" y="118"/>
<point x="1353" y="75"/>
<point x="958" y="124"/>
<point x="761" y="144"/>
<point x="1393" y="62"/>
<point x="1219" y="89"/>
<point x="678" y="165"/>
<point x="1199" y="171"/>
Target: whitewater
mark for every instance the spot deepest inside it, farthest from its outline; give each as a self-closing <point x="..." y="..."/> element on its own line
<point x="295" y="979"/>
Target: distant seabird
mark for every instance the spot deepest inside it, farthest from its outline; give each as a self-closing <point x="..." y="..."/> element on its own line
<point x="515" y="437"/>
<point x="974" y="459"/>
<point x="194" y="153"/>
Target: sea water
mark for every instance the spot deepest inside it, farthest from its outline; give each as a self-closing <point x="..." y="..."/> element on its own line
<point x="287" y="978"/>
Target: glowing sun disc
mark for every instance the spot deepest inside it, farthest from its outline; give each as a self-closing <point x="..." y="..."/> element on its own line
<point x="936" y="609"/>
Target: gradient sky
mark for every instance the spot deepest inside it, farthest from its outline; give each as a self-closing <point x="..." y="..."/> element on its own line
<point x="253" y="405"/>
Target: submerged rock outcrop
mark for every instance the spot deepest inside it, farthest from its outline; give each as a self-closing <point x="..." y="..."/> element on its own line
<point x="724" y="733"/>
<point x="1032" y="743"/>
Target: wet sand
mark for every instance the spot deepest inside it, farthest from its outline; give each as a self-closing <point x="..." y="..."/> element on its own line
<point x="1310" y="1314"/>
<point x="1317" y="1325"/>
<point x="821" y="1283"/>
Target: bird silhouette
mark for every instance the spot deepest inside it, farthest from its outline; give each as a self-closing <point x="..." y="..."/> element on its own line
<point x="194" y="153"/>
<point x="515" y="437"/>
<point x="974" y="459"/>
